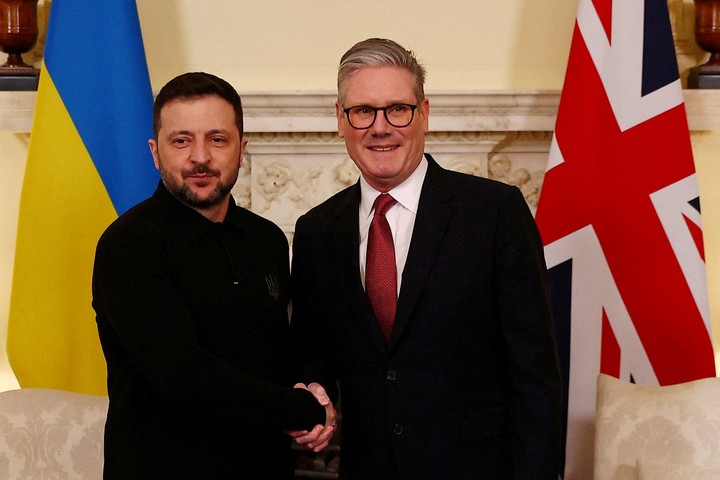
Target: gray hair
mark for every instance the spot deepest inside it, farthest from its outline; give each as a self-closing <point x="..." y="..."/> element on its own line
<point x="380" y="52"/>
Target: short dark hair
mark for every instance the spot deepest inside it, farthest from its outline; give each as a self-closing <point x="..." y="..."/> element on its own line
<point x="380" y="52"/>
<point x="195" y="85"/>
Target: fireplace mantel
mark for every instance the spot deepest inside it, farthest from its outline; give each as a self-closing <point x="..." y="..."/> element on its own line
<point x="295" y="158"/>
<point x="457" y="111"/>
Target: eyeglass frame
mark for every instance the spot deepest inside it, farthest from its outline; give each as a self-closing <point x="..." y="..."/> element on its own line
<point x="384" y="110"/>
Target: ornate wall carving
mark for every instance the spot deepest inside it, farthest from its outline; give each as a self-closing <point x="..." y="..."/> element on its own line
<point x="295" y="159"/>
<point x="287" y="173"/>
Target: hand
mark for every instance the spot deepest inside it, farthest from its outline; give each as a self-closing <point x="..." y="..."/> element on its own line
<point x="319" y="437"/>
<point x="321" y="395"/>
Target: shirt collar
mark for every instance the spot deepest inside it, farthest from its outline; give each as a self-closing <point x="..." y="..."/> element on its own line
<point x="189" y="218"/>
<point x="407" y="193"/>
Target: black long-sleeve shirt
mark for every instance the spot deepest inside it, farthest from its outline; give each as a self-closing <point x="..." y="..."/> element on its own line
<point x="192" y="317"/>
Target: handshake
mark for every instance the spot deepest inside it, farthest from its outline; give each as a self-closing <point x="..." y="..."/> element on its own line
<point x="319" y="437"/>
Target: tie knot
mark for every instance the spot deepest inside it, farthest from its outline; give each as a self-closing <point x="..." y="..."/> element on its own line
<point x="383" y="203"/>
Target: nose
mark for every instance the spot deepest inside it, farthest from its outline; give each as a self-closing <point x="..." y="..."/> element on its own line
<point x="200" y="153"/>
<point x="381" y="125"/>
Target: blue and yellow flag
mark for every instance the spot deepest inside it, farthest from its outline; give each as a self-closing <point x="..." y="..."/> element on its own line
<point x="88" y="162"/>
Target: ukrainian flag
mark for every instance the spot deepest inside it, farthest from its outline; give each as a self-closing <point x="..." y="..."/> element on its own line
<point x="88" y="162"/>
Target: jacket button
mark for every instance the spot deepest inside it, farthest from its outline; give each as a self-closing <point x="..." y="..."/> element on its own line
<point x="391" y="374"/>
<point x="398" y="430"/>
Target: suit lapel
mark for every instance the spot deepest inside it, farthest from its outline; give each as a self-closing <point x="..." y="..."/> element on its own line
<point x="346" y="240"/>
<point x="434" y="211"/>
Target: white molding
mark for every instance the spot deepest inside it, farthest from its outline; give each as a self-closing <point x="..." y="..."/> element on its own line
<point x="491" y="111"/>
<point x="16" y="111"/>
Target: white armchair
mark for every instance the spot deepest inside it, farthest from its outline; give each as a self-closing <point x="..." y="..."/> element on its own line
<point x="657" y="433"/>
<point x="51" y="434"/>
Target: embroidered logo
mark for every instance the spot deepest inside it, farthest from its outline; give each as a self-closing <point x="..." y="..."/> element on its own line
<point x="273" y="286"/>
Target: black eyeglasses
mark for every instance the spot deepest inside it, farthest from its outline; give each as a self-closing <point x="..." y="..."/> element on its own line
<point x="398" y="115"/>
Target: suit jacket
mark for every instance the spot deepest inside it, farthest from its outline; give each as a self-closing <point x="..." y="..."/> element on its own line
<point x="468" y="386"/>
<point x="196" y="344"/>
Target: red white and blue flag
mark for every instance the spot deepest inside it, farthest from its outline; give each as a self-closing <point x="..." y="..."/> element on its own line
<point x="619" y="216"/>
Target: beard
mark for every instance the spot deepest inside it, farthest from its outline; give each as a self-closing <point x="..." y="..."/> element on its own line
<point x="183" y="192"/>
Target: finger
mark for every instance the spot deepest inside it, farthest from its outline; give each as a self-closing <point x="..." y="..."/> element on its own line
<point x="324" y="436"/>
<point x="320" y="448"/>
<point x="319" y="393"/>
<point x="306" y="440"/>
<point x="311" y="436"/>
<point x="330" y="415"/>
<point x="322" y="441"/>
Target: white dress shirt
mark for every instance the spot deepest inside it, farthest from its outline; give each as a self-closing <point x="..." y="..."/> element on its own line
<point x="400" y="216"/>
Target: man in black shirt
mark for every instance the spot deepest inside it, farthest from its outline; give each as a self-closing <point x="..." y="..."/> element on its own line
<point x="191" y="295"/>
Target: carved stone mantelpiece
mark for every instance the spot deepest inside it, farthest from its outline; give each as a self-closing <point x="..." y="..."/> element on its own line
<point x="287" y="173"/>
<point x="295" y="159"/>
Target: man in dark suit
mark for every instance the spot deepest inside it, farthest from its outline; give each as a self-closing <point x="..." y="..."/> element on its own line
<point x="191" y="295"/>
<point x="453" y="375"/>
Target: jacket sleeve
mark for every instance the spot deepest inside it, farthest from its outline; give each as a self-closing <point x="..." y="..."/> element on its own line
<point x="535" y="396"/>
<point x="309" y="341"/>
<point x="143" y="319"/>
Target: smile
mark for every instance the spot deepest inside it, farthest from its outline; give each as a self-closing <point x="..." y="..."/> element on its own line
<point x="382" y="149"/>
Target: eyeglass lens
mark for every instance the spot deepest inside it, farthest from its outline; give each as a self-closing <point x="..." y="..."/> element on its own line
<point x="398" y="115"/>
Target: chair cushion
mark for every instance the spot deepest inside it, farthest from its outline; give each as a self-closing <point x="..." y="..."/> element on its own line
<point x="672" y="424"/>
<point x="51" y="434"/>
<point x="648" y="470"/>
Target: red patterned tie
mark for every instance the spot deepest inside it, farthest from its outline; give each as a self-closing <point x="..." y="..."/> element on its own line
<point x="380" y="269"/>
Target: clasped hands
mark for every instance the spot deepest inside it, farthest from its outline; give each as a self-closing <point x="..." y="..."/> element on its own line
<point x="319" y="437"/>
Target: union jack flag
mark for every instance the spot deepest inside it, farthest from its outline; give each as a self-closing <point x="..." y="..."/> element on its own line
<point x="619" y="216"/>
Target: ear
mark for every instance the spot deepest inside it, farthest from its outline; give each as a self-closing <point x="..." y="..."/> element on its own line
<point x="152" y="143"/>
<point x="243" y="146"/>
<point x="424" y="108"/>
<point x="342" y="123"/>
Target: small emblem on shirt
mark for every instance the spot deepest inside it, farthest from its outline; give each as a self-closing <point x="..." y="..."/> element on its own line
<point x="273" y="286"/>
